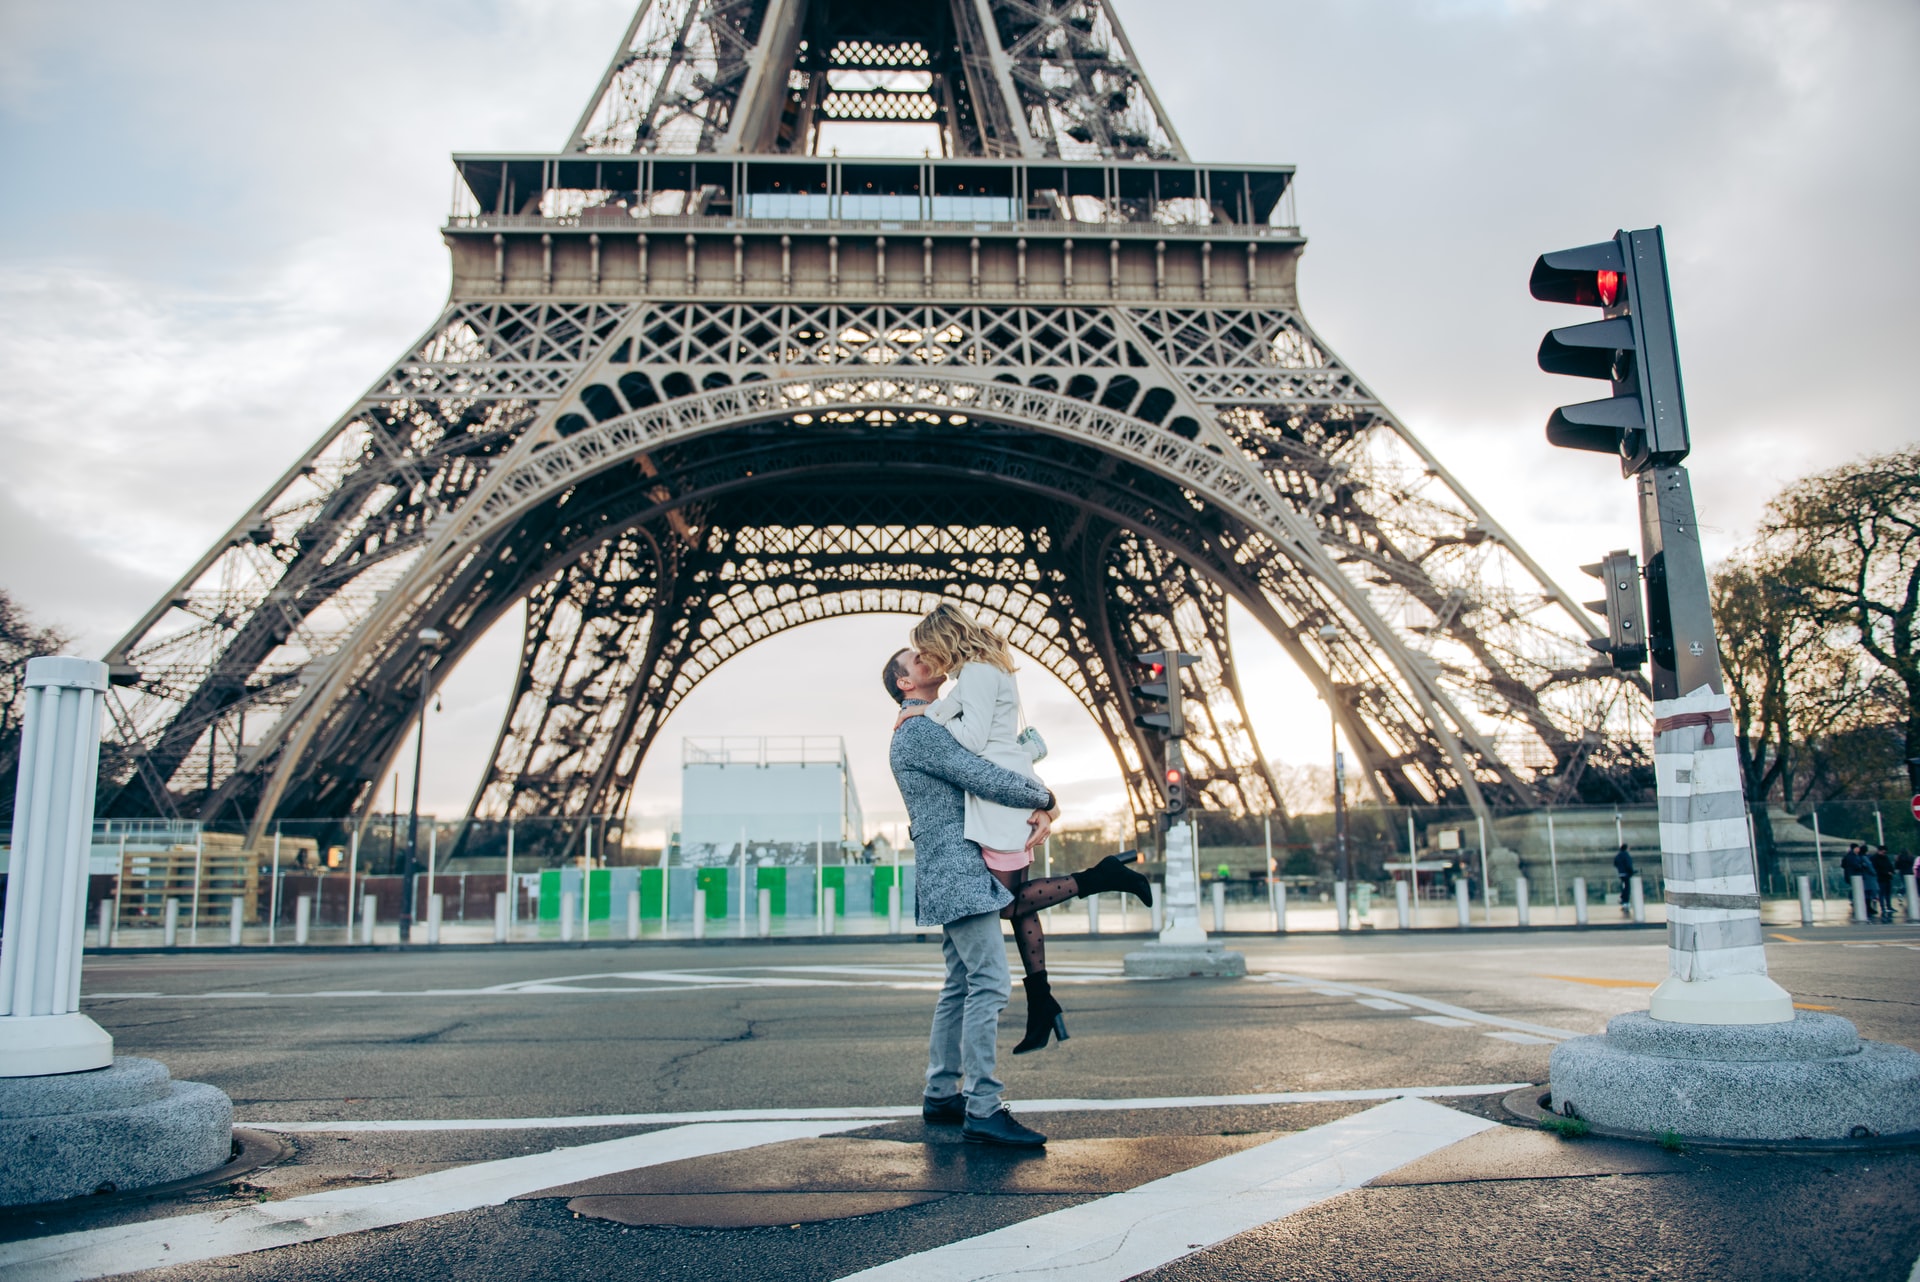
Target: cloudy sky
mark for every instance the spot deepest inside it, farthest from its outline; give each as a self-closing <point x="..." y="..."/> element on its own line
<point x="218" y="224"/>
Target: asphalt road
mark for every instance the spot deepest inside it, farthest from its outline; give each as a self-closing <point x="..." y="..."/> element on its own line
<point x="507" y="1054"/>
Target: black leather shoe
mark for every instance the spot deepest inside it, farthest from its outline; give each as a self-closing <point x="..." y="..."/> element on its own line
<point x="951" y="1111"/>
<point x="1114" y="873"/>
<point x="1001" y="1129"/>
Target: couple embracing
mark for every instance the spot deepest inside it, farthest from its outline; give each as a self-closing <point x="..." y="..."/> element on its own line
<point x="976" y="810"/>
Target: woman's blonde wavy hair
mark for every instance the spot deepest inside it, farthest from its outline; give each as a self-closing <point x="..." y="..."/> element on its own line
<point x="949" y="638"/>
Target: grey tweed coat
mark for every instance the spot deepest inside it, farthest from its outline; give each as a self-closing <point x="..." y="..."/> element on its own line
<point x="934" y="773"/>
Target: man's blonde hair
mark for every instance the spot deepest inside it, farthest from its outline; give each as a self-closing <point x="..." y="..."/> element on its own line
<point x="949" y="638"/>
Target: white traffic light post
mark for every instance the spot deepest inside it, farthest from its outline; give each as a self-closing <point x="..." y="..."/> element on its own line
<point x="77" y="1118"/>
<point x="1183" y="948"/>
<point x="1720" y="1051"/>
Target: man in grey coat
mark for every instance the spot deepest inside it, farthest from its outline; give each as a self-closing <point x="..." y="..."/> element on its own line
<point x="954" y="890"/>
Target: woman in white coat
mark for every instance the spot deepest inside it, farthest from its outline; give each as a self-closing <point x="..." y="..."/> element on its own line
<point x="982" y="712"/>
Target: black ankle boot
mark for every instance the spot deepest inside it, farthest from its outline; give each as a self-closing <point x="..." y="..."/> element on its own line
<point x="1043" y="1014"/>
<point x="1115" y="873"/>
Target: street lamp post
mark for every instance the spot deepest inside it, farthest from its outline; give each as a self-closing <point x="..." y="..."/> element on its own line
<point x="430" y="640"/>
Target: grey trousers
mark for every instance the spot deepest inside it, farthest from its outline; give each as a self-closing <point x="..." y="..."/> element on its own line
<point x="966" y="1019"/>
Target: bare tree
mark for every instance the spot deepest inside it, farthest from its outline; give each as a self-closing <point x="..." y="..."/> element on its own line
<point x="1850" y="540"/>
<point x="20" y="641"/>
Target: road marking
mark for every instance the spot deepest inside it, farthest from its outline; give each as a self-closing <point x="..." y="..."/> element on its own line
<point x="1443" y="1021"/>
<point x="1381" y="1003"/>
<point x="880" y="1114"/>
<point x="1332" y="989"/>
<point x="1518" y="1039"/>
<point x="1129" y="1233"/>
<point x="1605" y="983"/>
<point x="187" y="1239"/>
<point x="1786" y="938"/>
<point x="897" y="978"/>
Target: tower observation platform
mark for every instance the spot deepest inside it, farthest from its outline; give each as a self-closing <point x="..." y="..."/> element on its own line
<point x="700" y="379"/>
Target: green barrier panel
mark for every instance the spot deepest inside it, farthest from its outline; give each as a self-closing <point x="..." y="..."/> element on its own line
<point x="774" y="882"/>
<point x="550" y="894"/>
<point x="653" y="882"/>
<point x="836" y="877"/>
<point x="599" y="893"/>
<point x="882" y="882"/>
<point x="714" y="882"/>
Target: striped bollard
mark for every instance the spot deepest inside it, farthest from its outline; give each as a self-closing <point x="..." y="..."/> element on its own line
<point x="1715" y="958"/>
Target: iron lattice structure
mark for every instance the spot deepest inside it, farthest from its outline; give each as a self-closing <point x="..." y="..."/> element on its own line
<point x="698" y="383"/>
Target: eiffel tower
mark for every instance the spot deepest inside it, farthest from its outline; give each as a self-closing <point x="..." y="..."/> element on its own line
<point x="700" y="381"/>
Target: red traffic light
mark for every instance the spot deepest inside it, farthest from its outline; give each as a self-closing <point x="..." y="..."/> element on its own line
<point x="1174" y="776"/>
<point x="1607" y="285"/>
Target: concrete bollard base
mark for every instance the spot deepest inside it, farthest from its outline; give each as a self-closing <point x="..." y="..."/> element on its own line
<point x="1809" y="1078"/>
<point x="1184" y="961"/>
<point x="126" y="1126"/>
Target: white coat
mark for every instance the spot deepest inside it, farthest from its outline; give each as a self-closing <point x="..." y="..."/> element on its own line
<point x="982" y="713"/>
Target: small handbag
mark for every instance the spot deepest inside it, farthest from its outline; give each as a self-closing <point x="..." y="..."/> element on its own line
<point x="1029" y="738"/>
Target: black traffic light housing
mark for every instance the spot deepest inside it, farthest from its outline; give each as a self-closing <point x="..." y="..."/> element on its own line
<point x="1632" y="346"/>
<point x="1177" y="782"/>
<point x="1162" y="686"/>
<point x="1626" y="639"/>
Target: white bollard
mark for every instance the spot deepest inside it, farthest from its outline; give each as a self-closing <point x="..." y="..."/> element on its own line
<point x="499" y="916"/>
<point x="1579" y="901"/>
<point x="1522" y="904"/>
<point x="108" y="908"/>
<point x="1859" y="898"/>
<point x="700" y="913"/>
<point x="1637" y="899"/>
<point x="893" y="908"/>
<point x="1913" y="893"/>
<point x="831" y="902"/>
<point x="236" y="919"/>
<point x="567" y="903"/>
<point x="1279" y="909"/>
<point x="42" y="1031"/>
<point x="170" y="923"/>
<point x="633" y="914"/>
<point x="1463" y="903"/>
<point x="1403" y="903"/>
<point x="436" y="911"/>
<point x="1093" y="914"/>
<point x="369" y="911"/>
<point x="1806" y="899"/>
<point x="302" y="917"/>
<point x="765" y="924"/>
<point x="1219" y="906"/>
<point x="1340" y="903"/>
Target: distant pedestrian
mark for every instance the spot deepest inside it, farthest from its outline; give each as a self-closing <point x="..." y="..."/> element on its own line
<point x="1883" y="873"/>
<point x="1623" y="864"/>
<point x="1855" y="864"/>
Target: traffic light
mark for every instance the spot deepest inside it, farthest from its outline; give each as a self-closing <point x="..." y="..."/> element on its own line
<point x="1626" y="639"/>
<point x="1162" y="685"/>
<point x="1177" y="782"/>
<point x="1632" y="346"/>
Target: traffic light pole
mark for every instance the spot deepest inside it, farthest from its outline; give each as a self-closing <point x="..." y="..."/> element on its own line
<point x="1685" y="654"/>
<point x="1719" y="1052"/>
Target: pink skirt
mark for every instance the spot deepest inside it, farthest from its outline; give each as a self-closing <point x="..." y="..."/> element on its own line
<point x="1006" y="860"/>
